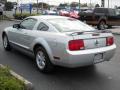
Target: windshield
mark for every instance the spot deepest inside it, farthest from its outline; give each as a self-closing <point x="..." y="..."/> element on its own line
<point x="69" y="25"/>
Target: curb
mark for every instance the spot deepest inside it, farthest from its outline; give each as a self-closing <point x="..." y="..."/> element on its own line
<point x="116" y="33"/>
<point x="12" y="19"/>
<point x="28" y="85"/>
<point x="15" y="20"/>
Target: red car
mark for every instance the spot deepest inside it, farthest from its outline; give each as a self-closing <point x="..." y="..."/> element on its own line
<point x="64" y="13"/>
<point x="74" y="14"/>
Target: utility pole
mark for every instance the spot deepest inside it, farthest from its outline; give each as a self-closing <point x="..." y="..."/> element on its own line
<point x="90" y="4"/>
<point x="37" y="6"/>
<point x="102" y="3"/>
<point x="16" y="7"/>
<point x="42" y="6"/>
<point x="79" y="5"/>
<point x="108" y="3"/>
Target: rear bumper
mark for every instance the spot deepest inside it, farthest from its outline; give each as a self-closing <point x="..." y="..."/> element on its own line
<point x="86" y="57"/>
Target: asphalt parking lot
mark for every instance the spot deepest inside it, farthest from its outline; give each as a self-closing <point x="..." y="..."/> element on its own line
<point x="104" y="76"/>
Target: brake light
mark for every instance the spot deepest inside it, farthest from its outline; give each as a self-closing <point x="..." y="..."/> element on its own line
<point x="76" y="45"/>
<point x="109" y="41"/>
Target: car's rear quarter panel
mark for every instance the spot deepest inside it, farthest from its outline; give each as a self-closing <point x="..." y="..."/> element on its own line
<point x="83" y="57"/>
<point x="54" y="43"/>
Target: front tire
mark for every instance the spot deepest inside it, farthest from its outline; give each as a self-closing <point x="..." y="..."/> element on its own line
<point x="42" y="60"/>
<point x="6" y="43"/>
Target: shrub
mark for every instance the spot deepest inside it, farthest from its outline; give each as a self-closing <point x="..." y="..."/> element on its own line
<point x="9" y="6"/>
<point x="20" y="16"/>
<point x="8" y="82"/>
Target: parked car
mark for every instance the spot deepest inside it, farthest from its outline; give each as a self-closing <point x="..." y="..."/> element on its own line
<point x="50" y="12"/>
<point x="58" y="40"/>
<point x="64" y="12"/>
<point x="74" y="14"/>
<point x="101" y="17"/>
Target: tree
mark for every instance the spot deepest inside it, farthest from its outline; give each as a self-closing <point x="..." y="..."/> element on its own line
<point x="97" y="5"/>
<point x="84" y="5"/>
<point x="74" y="4"/>
<point x="9" y="6"/>
<point x="118" y="7"/>
<point x="45" y="5"/>
<point x="63" y="5"/>
<point x="115" y="6"/>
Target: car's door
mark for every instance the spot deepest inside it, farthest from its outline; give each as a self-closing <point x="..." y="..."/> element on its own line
<point x="118" y="17"/>
<point x="26" y="31"/>
<point x="22" y="36"/>
<point x="113" y="18"/>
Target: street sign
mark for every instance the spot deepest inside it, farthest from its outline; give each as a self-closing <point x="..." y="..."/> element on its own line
<point x="26" y="7"/>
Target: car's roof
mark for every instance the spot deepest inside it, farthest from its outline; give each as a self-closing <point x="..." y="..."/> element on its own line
<point x="46" y="17"/>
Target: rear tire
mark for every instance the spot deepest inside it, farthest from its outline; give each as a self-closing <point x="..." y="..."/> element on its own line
<point x="102" y="25"/>
<point x="42" y="60"/>
<point x="6" y="43"/>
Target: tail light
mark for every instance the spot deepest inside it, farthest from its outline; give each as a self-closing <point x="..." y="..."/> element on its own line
<point x="75" y="45"/>
<point x="109" y="41"/>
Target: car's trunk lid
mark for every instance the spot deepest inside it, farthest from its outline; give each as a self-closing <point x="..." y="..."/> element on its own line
<point x="94" y="39"/>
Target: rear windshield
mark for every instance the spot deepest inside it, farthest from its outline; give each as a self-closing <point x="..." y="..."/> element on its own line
<point x="101" y="10"/>
<point x="70" y="25"/>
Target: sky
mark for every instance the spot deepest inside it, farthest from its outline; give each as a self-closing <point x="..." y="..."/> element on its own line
<point x="56" y="2"/>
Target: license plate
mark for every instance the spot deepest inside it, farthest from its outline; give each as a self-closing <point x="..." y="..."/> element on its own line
<point x="98" y="58"/>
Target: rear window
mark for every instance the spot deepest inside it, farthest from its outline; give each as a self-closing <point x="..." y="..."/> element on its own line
<point x="69" y="25"/>
<point x="117" y="12"/>
<point x="101" y="10"/>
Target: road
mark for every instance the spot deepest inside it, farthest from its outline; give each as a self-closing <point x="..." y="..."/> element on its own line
<point x="104" y="76"/>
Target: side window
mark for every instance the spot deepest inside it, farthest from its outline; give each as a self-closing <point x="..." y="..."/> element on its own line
<point x="99" y="10"/>
<point x="28" y="24"/>
<point x="42" y="27"/>
<point x="112" y="12"/>
<point x="117" y="12"/>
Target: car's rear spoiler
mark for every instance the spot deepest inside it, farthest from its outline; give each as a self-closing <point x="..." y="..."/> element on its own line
<point x="86" y="32"/>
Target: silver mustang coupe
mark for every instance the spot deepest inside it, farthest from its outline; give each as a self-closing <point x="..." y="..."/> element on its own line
<point x="57" y="40"/>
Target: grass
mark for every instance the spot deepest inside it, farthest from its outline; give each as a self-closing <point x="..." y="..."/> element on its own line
<point x="3" y="17"/>
<point x="8" y="82"/>
<point x="24" y="15"/>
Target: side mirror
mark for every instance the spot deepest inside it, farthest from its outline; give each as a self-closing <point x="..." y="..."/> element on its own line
<point x="16" y="26"/>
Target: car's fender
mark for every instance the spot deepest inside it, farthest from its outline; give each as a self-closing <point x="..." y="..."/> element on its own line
<point x="6" y="30"/>
<point x="102" y="18"/>
<point x="44" y="43"/>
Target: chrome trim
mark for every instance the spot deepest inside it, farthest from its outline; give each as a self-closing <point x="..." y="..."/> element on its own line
<point x="20" y="45"/>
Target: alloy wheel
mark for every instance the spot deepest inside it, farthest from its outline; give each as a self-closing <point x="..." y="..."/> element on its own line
<point x="40" y="60"/>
